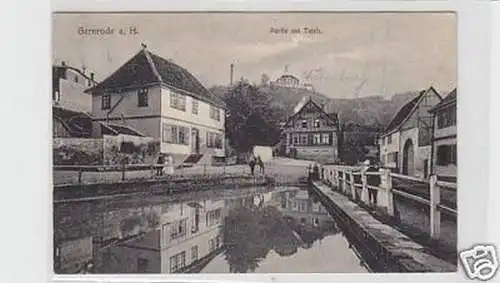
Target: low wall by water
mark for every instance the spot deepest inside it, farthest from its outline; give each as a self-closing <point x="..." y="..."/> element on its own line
<point x="384" y="248"/>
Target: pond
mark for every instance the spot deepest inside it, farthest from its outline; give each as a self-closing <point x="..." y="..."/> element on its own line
<point x="261" y="230"/>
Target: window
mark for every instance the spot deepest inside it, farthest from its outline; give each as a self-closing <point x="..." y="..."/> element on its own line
<point x="178" y="101"/>
<point x="178" y="229"/>
<point x="317" y="123"/>
<point x="389" y="139"/>
<point x="447" y="154"/>
<point x="194" y="253"/>
<point x="177" y="262"/>
<point x="214" y="113"/>
<point x="175" y="134"/>
<point x="447" y="117"/>
<point x="214" y="140"/>
<point x="195" y="106"/>
<point x="325" y="138"/>
<point x="302" y="207"/>
<point x="106" y="101"/>
<point x="304" y="124"/>
<point x="142" y="265"/>
<point x="142" y="97"/>
<point x="295" y="139"/>
<point x="218" y="241"/>
<point x="303" y="139"/>
<point x="76" y="78"/>
<point x="283" y="202"/>
<point x="213" y="217"/>
<point x="316" y="138"/>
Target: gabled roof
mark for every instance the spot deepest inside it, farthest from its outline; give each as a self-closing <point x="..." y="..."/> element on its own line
<point x="312" y="103"/>
<point x="449" y="99"/>
<point x="146" y="68"/>
<point x="406" y="110"/>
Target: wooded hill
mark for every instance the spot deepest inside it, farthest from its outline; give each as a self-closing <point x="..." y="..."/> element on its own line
<point x="373" y="111"/>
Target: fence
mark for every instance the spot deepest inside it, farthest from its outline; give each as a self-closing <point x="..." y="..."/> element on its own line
<point x="353" y="182"/>
<point x="98" y="174"/>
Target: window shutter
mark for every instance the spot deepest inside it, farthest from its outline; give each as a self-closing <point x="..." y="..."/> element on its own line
<point x="310" y="139"/>
<point x="330" y="138"/>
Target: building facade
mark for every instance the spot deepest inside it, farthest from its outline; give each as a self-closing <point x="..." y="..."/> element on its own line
<point x="68" y="88"/>
<point x="163" y="101"/>
<point x="444" y="142"/>
<point x="405" y="144"/>
<point x="188" y="237"/>
<point x="312" y="134"/>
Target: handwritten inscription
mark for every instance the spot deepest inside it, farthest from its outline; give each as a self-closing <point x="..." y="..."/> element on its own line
<point x="304" y="30"/>
<point x="107" y="31"/>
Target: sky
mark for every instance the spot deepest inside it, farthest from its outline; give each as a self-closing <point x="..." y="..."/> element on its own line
<point x="355" y="54"/>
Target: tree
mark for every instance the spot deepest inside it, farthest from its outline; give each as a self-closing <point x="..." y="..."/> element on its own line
<point x="251" y="118"/>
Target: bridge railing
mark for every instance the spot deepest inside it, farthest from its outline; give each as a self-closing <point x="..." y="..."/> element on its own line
<point x="356" y="183"/>
<point x="89" y="174"/>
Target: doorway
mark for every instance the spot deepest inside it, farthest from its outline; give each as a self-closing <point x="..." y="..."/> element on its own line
<point x="195" y="141"/>
<point x="408" y="158"/>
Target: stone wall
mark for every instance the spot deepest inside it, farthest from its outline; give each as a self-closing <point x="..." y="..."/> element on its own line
<point x="77" y="151"/>
<point x="109" y="150"/>
<point x="132" y="149"/>
<point x="320" y="153"/>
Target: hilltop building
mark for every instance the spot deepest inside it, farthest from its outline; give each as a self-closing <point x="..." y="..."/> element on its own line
<point x="166" y="102"/>
<point x="290" y="81"/>
<point x="311" y="133"/>
<point x="405" y="144"/>
<point x="444" y="138"/>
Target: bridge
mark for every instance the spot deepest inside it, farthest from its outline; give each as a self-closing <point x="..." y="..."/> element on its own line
<point x="411" y="226"/>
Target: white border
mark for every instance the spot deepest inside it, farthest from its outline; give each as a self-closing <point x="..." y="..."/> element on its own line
<point x="26" y="205"/>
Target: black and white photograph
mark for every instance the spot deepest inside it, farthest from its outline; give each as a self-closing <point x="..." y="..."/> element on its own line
<point x="254" y="142"/>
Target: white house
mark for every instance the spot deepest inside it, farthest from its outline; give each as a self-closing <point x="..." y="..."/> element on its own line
<point x="163" y="100"/>
<point x="444" y="141"/>
<point x="188" y="237"/>
<point x="68" y="88"/>
<point x="405" y="144"/>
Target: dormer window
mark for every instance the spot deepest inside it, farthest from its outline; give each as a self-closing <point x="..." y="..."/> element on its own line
<point x="142" y="97"/>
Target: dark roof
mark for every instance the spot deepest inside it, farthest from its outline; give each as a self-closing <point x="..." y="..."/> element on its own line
<point x="125" y="130"/>
<point x="288" y="76"/>
<point x="449" y="99"/>
<point x="79" y="124"/>
<point x="146" y="68"/>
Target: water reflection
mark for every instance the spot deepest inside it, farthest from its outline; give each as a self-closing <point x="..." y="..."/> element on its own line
<point x="235" y="233"/>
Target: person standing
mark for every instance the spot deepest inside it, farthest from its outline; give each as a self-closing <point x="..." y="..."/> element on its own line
<point x="252" y="163"/>
<point x="169" y="162"/>
<point x="372" y="180"/>
<point x="261" y="164"/>
<point x="160" y="162"/>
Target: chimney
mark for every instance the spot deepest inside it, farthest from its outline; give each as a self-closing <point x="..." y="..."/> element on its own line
<point x="231" y="78"/>
<point x="92" y="76"/>
<point x="63" y="63"/>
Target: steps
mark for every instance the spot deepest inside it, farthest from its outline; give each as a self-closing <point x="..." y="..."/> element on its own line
<point x="191" y="160"/>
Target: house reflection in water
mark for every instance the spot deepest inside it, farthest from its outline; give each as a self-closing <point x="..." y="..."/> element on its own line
<point x="188" y="237"/>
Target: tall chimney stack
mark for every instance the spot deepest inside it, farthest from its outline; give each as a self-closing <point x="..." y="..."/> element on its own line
<point x="231" y="79"/>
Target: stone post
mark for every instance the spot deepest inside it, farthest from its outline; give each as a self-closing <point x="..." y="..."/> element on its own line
<point x="353" y="188"/>
<point x="385" y="197"/>
<point x="435" y="214"/>
<point x="365" y="198"/>
<point x="344" y="182"/>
